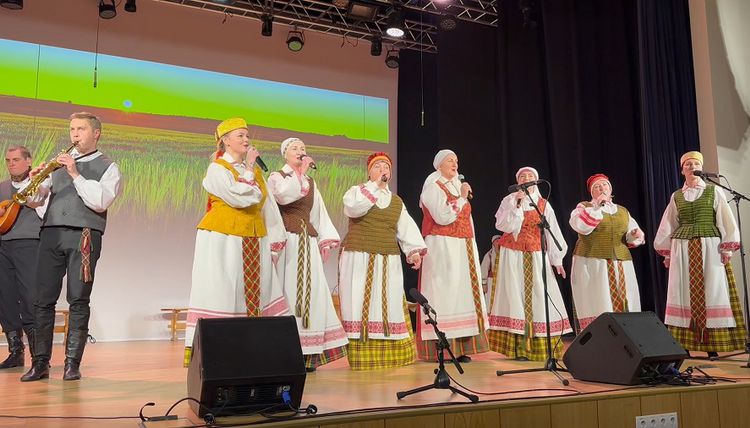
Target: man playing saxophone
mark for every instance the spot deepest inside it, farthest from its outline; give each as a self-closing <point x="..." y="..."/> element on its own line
<point x="79" y="193"/>
<point x="18" y="250"/>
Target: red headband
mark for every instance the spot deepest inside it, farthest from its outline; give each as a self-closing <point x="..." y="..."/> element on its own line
<point x="594" y="178"/>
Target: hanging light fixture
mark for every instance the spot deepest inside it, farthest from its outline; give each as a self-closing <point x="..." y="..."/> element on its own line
<point x="267" y="28"/>
<point x="391" y="58"/>
<point x="295" y="41"/>
<point x="130" y="6"/>
<point x="376" y="45"/>
<point x="12" y="4"/>
<point x="107" y="9"/>
<point x="396" y="25"/>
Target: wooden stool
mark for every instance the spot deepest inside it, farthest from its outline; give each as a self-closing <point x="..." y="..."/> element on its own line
<point x="62" y="328"/>
<point x="174" y="322"/>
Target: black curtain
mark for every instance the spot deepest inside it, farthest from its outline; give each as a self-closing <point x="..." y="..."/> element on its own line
<point x="572" y="88"/>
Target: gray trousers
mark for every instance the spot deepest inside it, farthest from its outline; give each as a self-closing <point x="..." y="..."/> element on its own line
<point x="60" y="254"/>
<point x="17" y="283"/>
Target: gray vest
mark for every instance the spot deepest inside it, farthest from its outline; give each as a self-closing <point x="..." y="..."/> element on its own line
<point x="65" y="207"/>
<point x="28" y="222"/>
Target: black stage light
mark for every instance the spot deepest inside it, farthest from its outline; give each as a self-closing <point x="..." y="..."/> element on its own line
<point x="295" y="41"/>
<point x="391" y="58"/>
<point x="107" y="9"/>
<point x="396" y="25"/>
<point x="12" y="4"/>
<point x="267" y="29"/>
<point x="130" y="6"/>
<point x="376" y="46"/>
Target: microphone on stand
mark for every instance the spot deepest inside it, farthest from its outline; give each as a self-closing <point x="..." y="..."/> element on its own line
<point x="462" y="179"/>
<point x="704" y="174"/>
<point x="421" y="300"/>
<point x="312" y="164"/>
<point x="516" y="187"/>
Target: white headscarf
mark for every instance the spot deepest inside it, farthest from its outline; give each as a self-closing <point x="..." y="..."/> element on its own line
<point x="435" y="176"/>
<point x="440" y="157"/>
<point x="527" y="168"/>
<point x="285" y="144"/>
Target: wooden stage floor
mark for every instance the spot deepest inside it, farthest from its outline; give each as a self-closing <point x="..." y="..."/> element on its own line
<point x="121" y="377"/>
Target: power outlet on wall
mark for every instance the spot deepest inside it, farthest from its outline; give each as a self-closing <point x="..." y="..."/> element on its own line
<point x="663" y="420"/>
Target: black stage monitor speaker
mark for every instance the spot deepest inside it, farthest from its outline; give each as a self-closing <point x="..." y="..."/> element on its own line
<point x="625" y="349"/>
<point x="242" y="365"/>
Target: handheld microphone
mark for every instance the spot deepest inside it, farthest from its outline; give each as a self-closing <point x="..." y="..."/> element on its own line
<point x="421" y="300"/>
<point x="384" y="178"/>
<point x="516" y="187"/>
<point x="312" y="164"/>
<point x="706" y="174"/>
<point x="261" y="164"/>
<point x="462" y="179"/>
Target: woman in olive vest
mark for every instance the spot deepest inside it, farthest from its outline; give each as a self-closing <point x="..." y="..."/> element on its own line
<point x="238" y="239"/>
<point x="602" y="275"/>
<point x="310" y="238"/>
<point x="697" y="237"/>
<point x="371" y="282"/>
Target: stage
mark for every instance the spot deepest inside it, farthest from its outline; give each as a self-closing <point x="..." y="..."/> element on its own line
<point x="121" y="377"/>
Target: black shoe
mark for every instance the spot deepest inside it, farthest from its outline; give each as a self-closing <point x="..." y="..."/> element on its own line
<point x="713" y="355"/>
<point x="39" y="370"/>
<point x="74" y="353"/>
<point x="72" y="370"/>
<point x="16" y="348"/>
<point x="521" y="358"/>
<point x="464" y="359"/>
<point x="310" y="369"/>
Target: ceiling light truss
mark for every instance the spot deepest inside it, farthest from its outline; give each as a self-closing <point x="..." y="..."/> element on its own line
<point x="323" y="16"/>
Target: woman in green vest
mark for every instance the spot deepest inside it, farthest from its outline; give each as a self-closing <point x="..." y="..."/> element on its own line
<point x="602" y="276"/>
<point x="697" y="237"/>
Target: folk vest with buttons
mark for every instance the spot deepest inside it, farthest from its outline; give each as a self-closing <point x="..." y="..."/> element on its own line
<point x="696" y="219"/>
<point x="222" y="218"/>
<point x="375" y="232"/>
<point x="607" y="240"/>
<point x="65" y="207"/>
<point x="27" y="223"/>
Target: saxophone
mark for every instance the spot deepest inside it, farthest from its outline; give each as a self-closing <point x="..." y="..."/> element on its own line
<point x="22" y="196"/>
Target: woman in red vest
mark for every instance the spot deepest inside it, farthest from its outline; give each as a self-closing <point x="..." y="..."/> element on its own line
<point x="518" y="326"/>
<point x="451" y="275"/>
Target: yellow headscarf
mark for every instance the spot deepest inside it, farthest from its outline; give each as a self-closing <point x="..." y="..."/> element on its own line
<point x="229" y="125"/>
<point x="692" y="155"/>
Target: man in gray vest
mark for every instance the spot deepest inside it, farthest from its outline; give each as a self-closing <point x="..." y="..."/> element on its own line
<point x="70" y="241"/>
<point x="18" y="249"/>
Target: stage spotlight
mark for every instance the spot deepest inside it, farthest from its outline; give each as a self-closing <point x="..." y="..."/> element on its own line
<point x="12" y="4"/>
<point x="130" y="6"/>
<point x="447" y="22"/>
<point x="267" y="29"/>
<point x="376" y="46"/>
<point x="295" y="41"/>
<point x="396" y="24"/>
<point x="391" y="58"/>
<point x="107" y="9"/>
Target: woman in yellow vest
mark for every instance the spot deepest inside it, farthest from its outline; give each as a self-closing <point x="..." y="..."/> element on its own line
<point x="697" y="237"/>
<point x="238" y="239"/>
<point x="602" y="277"/>
<point x="371" y="282"/>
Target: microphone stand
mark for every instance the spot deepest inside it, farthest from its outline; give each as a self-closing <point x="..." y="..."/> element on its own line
<point x="442" y="380"/>
<point x="737" y="197"/>
<point x="551" y="364"/>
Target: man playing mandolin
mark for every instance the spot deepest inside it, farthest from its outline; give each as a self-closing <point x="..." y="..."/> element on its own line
<point x="70" y="241"/>
<point x="18" y="249"/>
